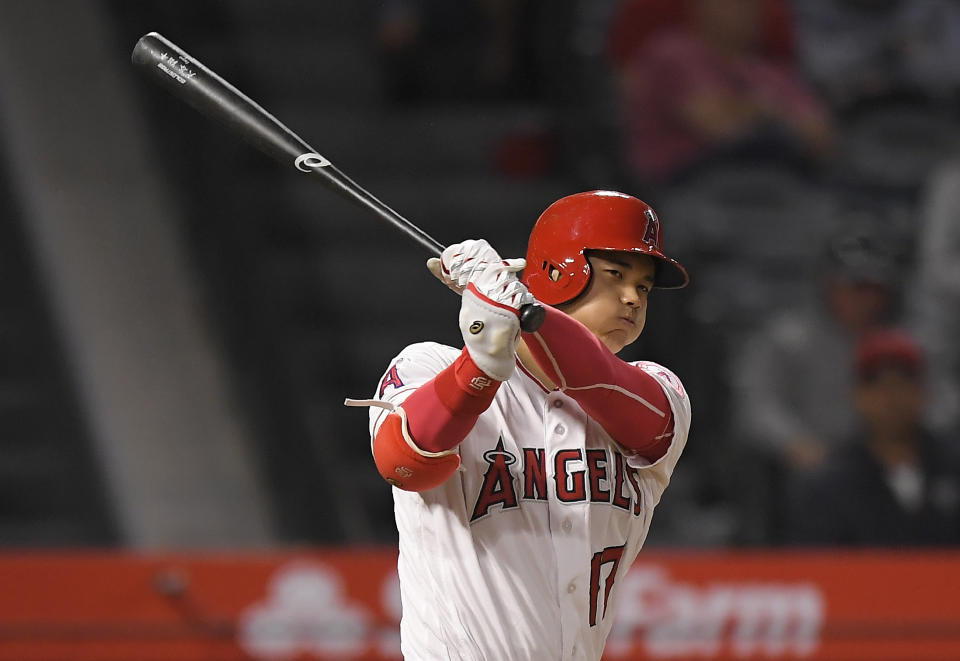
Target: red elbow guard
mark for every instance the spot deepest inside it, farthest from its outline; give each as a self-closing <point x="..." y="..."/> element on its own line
<point x="404" y="466"/>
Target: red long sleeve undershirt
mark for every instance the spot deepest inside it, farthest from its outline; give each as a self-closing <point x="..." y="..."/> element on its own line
<point x="414" y="456"/>
<point x="626" y="401"/>
<point x="442" y="411"/>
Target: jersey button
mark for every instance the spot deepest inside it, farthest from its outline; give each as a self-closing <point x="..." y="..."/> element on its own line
<point x="572" y="587"/>
<point x="557" y="404"/>
<point x="566" y="525"/>
<point x="560" y="430"/>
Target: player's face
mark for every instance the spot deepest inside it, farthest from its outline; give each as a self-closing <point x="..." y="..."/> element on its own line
<point x="614" y="306"/>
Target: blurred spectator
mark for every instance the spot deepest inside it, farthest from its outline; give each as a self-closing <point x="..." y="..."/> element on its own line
<point x="935" y="304"/>
<point x="859" y="50"/>
<point x="897" y="484"/>
<point x="636" y="20"/>
<point x="703" y="92"/>
<point x="791" y="394"/>
<point x="435" y="50"/>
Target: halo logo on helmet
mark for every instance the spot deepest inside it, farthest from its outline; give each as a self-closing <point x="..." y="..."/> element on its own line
<point x="557" y="267"/>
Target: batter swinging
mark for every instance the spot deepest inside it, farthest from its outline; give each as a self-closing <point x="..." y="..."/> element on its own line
<point x="526" y="468"/>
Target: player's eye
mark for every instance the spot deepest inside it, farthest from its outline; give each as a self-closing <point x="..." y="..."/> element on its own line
<point x="615" y="273"/>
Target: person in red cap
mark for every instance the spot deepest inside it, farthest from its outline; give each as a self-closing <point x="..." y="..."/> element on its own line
<point x="526" y="466"/>
<point x="897" y="485"/>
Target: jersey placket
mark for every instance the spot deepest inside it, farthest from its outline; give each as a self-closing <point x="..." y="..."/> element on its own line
<point x="564" y="431"/>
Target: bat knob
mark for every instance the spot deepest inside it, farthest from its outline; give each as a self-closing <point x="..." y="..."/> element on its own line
<point x="531" y="317"/>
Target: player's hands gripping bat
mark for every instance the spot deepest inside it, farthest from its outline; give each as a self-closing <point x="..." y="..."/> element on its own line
<point x="458" y="262"/>
<point x="179" y="73"/>
<point x="491" y="303"/>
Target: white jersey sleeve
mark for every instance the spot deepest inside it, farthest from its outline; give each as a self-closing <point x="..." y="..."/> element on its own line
<point x="410" y="369"/>
<point x="662" y="468"/>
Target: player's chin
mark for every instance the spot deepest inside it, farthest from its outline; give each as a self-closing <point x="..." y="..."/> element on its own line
<point x="617" y="339"/>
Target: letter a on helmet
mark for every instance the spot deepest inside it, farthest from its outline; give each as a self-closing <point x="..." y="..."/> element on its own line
<point x="557" y="267"/>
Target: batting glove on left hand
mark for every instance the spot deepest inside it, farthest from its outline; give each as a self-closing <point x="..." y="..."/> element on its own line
<point x="489" y="316"/>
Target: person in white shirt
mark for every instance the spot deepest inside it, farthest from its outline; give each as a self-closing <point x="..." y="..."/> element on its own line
<point x="526" y="466"/>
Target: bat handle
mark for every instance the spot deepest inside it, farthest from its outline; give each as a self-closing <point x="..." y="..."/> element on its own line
<point x="531" y="317"/>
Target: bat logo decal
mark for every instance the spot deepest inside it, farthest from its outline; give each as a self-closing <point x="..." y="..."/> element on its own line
<point x="310" y="161"/>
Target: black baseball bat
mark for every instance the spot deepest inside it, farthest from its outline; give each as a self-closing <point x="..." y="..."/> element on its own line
<point x="184" y="76"/>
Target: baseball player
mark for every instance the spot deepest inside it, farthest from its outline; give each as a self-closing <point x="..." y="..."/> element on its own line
<point x="526" y="467"/>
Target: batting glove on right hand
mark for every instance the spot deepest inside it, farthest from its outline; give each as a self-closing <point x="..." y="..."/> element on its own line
<point x="489" y="316"/>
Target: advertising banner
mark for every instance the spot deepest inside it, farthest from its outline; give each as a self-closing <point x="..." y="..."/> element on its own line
<point x="302" y="605"/>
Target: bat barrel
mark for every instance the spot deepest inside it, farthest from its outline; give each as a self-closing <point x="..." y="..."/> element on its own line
<point x="186" y="77"/>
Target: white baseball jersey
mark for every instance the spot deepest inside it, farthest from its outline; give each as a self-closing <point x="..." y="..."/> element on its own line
<point x="518" y="554"/>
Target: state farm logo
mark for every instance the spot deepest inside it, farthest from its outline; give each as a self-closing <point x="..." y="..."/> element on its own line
<point x="665" y="619"/>
<point x="305" y="613"/>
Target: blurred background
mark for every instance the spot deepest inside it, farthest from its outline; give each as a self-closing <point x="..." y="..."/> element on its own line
<point x="182" y="317"/>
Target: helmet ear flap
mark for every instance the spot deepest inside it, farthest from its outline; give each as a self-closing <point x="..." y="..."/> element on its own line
<point x="553" y="281"/>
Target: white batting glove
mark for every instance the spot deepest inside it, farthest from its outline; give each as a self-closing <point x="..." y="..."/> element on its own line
<point x="489" y="316"/>
<point x="460" y="261"/>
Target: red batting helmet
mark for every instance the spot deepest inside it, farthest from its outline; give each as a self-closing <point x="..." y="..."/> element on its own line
<point x="557" y="269"/>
